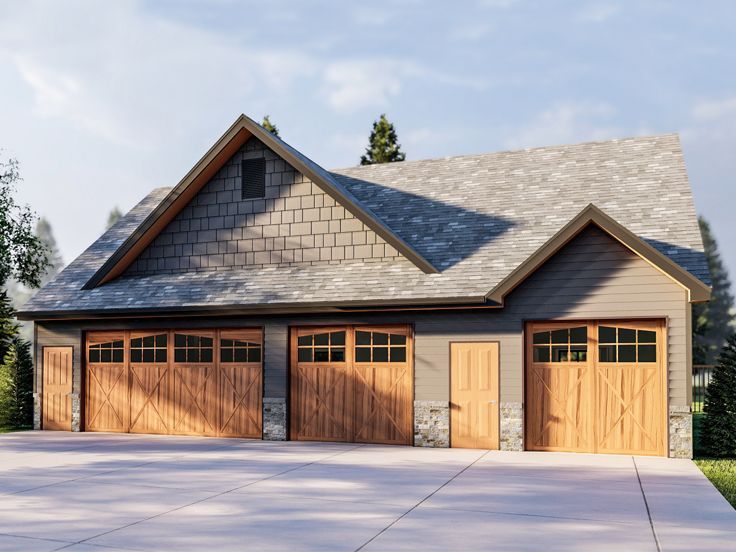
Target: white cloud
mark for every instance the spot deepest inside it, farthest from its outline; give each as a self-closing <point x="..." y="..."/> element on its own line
<point x="470" y="31"/>
<point x="357" y="84"/>
<point x="712" y="110"/>
<point x="566" y="123"/>
<point x="598" y="13"/>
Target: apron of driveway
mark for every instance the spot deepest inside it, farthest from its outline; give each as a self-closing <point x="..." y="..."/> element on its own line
<point x="87" y="491"/>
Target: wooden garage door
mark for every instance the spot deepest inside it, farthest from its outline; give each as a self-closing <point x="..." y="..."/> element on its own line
<point x="190" y="382"/>
<point x="596" y="387"/>
<point x="352" y="384"/>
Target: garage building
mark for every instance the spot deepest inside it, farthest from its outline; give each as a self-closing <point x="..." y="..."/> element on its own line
<point x="536" y="299"/>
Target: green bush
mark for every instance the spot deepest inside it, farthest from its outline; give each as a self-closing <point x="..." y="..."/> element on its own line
<point x="16" y="385"/>
<point x="719" y="425"/>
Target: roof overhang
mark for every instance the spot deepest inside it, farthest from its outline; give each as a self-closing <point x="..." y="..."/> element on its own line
<point x="239" y="133"/>
<point x="697" y="290"/>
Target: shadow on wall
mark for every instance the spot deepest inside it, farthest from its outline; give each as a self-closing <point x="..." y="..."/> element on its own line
<point x="443" y="233"/>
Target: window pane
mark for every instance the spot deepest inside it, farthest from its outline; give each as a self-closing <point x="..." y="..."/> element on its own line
<point x="398" y="354"/>
<point x="646" y="336"/>
<point x="380" y="338"/>
<point x="541" y="354"/>
<point x="559" y="354"/>
<point x="397" y="339"/>
<point x="180" y="340"/>
<point x="117" y="344"/>
<point x="380" y="354"/>
<point x="578" y="353"/>
<point x="226" y="343"/>
<point x="607" y="353"/>
<point x="541" y="337"/>
<point x="241" y="354"/>
<point x="254" y="354"/>
<point x="160" y="355"/>
<point x="149" y="341"/>
<point x="337" y="338"/>
<point x="322" y="339"/>
<point x="337" y="355"/>
<point x="192" y="355"/>
<point x="625" y="335"/>
<point x="180" y="355"/>
<point x="305" y="355"/>
<point x="362" y="354"/>
<point x="321" y="355"/>
<point x="148" y="355"/>
<point x="193" y="341"/>
<point x="94" y="355"/>
<point x="226" y="355"/>
<point x="161" y="340"/>
<point x="305" y="340"/>
<point x="362" y="338"/>
<point x="206" y="355"/>
<point x="647" y="353"/>
<point x="627" y="353"/>
<point x="579" y="335"/>
<point x="206" y="342"/>
<point x="559" y="336"/>
<point x="136" y="355"/>
<point x="106" y="355"/>
<point x="137" y="342"/>
<point x="606" y="334"/>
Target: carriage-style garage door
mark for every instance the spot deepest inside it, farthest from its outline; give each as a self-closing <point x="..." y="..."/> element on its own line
<point x="352" y="384"/>
<point x="596" y="387"/>
<point x="198" y="382"/>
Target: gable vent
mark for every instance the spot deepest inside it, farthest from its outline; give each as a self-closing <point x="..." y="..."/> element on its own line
<point x="253" y="178"/>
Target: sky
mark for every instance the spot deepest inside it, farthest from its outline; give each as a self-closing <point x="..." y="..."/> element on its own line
<point x="102" y="101"/>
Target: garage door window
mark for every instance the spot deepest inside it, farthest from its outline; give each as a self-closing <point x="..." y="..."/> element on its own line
<point x="151" y="348"/>
<point x="112" y="351"/>
<point x="561" y="345"/>
<point x="192" y="348"/>
<point x="237" y="350"/>
<point x="626" y="345"/>
<point x="379" y="347"/>
<point x="322" y="347"/>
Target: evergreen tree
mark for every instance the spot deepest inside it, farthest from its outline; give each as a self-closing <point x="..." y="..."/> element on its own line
<point x="383" y="144"/>
<point x="719" y="426"/>
<point x="114" y="216"/>
<point x="16" y="385"/>
<point x="712" y="321"/>
<point x="8" y="325"/>
<point x="269" y="126"/>
<point x="45" y="233"/>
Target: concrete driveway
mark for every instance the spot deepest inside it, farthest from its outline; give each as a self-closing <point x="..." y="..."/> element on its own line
<point x="91" y="491"/>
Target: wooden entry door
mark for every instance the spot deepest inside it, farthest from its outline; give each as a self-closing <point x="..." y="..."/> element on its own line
<point x="596" y="386"/>
<point x="57" y="388"/>
<point x="474" y="409"/>
<point x="352" y="383"/>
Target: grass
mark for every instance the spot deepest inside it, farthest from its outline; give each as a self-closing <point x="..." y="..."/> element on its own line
<point x="720" y="471"/>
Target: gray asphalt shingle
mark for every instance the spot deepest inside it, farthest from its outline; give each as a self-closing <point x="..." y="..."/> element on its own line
<point x="475" y="218"/>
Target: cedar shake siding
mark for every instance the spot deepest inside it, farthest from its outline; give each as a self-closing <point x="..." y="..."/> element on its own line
<point x="296" y="222"/>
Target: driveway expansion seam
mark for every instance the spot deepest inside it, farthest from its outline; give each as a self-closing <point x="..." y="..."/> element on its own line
<point x="646" y="505"/>
<point x="211" y="497"/>
<point x="430" y="495"/>
<point x="45" y="539"/>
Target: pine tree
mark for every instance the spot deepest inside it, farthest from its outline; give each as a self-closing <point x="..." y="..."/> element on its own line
<point x="45" y="233"/>
<point x="712" y="321"/>
<point x="383" y="144"/>
<point x="114" y="216"/>
<point x="16" y="386"/>
<point x="719" y="426"/>
<point x="269" y="126"/>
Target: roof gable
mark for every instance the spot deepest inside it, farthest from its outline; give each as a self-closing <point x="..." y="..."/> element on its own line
<point x="697" y="290"/>
<point x="235" y="137"/>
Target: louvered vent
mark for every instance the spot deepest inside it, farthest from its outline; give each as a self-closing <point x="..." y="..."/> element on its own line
<point x="254" y="178"/>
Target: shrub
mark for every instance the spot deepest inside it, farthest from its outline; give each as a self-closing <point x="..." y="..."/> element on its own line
<point x="16" y="385"/>
<point x="719" y="427"/>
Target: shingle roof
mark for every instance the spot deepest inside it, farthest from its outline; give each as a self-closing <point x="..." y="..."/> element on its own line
<point x="476" y="218"/>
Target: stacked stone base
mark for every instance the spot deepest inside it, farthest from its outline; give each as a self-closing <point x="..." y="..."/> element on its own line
<point x="432" y="424"/>
<point x="681" y="432"/>
<point x="274" y="419"/>
<point x="512" y="427"/>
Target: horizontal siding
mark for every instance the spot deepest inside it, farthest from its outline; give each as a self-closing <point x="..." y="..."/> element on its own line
<point x="592" y="277"/>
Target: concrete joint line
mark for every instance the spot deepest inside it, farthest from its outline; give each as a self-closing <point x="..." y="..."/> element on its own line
<point x="646" y="505"/>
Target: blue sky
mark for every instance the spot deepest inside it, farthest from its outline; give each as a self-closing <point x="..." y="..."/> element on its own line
<point x="102" y="101"/>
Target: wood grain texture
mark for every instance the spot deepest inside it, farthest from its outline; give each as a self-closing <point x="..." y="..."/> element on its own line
<point x="594" y="406"/>
<point x="57" y="387"/>
<point x="474" y="408"/>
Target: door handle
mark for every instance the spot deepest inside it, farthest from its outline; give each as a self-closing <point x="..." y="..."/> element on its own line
<point x="491" y="402"/>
